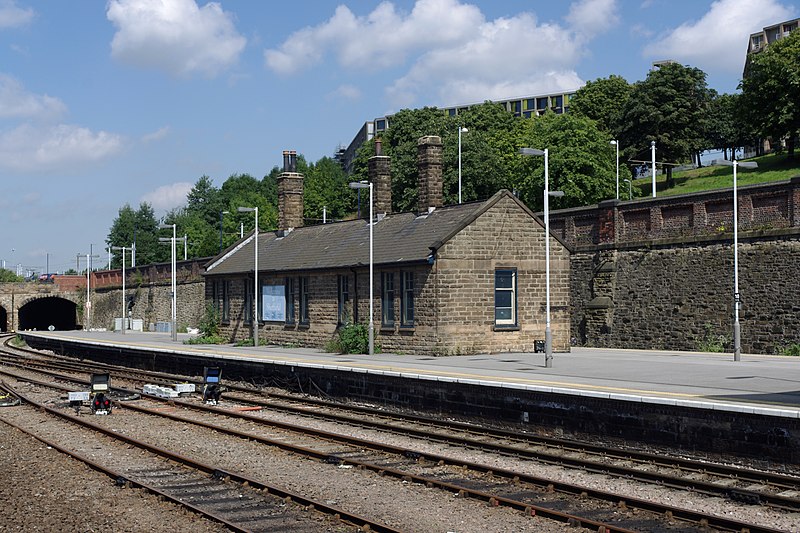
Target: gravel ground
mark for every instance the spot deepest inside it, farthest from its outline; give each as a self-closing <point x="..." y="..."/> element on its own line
<point x="42" y="489"/>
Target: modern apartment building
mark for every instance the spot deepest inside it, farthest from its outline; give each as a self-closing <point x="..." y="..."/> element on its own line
<point x="761" y="39"/>
<point x="527" y="106"/>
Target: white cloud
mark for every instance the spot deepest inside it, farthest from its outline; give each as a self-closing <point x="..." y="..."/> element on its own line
<point x="12" y="16"/>
<point x="593" y="17"/>
<point x="466" y="59"/>
<point x="480" y="68"/>
<point x="17" y="103"/>
<point x="156" y="135"/>
<point x="168" y="196"/>
<point x="29" y="148"/>
<point x="345" y="92"/>
<point x="381" y="39"/>
<point x="175" y="36"/>
<point x="717" y="42"/>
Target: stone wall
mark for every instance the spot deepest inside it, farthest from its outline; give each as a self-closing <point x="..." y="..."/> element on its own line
<point x="151" y="302"/>
<point x="658" y="273"/>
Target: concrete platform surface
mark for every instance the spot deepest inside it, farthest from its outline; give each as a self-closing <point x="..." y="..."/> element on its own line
<point x="760" y="384"/>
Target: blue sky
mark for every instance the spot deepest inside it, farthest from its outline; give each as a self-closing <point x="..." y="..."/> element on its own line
<point x="108" y="103"/>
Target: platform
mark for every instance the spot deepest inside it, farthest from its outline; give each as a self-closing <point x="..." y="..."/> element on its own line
<point x="757" y="384"/>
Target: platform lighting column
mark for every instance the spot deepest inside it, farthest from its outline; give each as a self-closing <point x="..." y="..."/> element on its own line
<point x="255" y="273"/>
<point x="220" y="228"/>
<point x="124" y="316"/>
<point x="616" y="145"/>
<point x="548" y="336"/>
<point x="174" y="312"/>
<point x="737" y="337"/>
<point x="460" y="131"/>
<point x="653" y="160"/>
<point x="364" y="185"/>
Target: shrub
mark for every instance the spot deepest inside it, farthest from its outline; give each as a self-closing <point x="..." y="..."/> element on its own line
<point x="209" y="328"/>
<point x="711" y="342"/>
<point x="791" y="350"/>
<point x="354" y="338"/>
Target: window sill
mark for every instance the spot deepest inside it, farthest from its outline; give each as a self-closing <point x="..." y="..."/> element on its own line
<point x="407" y="329"/>
<point x="505" y="328"/>
<point x="303" y="325"/>
<point x="387" y="329"/>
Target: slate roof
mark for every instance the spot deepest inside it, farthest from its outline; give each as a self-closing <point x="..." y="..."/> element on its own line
<point x="397" y="239"/>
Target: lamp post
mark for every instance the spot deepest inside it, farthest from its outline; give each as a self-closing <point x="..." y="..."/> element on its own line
<point x="460" y="131"/>
<point x="548" y="336"/>
<point x="255" y="273"/>
<point x="653" y="160"/>
<point x="220" y="228"/>
<point x="630" y="194"/>
<point x="366" y="185"/>
<point x="124" y="318"/>
<point x="737" y="337"/>
<point x="174" y="327"/>
<point x="616" y="145"/>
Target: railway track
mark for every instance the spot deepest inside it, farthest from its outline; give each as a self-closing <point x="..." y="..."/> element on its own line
<point x="497" y="486"/>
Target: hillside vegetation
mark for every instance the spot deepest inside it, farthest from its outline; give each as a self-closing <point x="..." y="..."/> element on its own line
<point x="770" y="168"/>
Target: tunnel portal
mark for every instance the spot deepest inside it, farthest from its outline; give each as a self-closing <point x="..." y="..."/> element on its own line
<point x="45" y="312"/>
<point x="3" y="320"/>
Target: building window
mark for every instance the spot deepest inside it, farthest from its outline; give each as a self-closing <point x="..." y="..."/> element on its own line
<point x="344" y="299"/>
<point x="407" y="300"/>
<point x="226" y="302"/>
<point x="304" y="300"/>
<point x="387" y="299"/>
<point x="380" y="125"/>
<point x="289" y="294"/>
<point x="541" y="103"/>
<point x="248" y="302"/>
<point x="505" y="297"/>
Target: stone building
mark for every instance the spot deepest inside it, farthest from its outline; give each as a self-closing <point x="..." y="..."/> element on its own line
<point x="460" y="279"/>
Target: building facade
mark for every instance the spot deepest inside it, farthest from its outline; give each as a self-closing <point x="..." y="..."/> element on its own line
<point x="460" y="279"/>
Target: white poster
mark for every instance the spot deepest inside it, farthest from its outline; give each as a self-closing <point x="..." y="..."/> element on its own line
<point x="273" y="303"/>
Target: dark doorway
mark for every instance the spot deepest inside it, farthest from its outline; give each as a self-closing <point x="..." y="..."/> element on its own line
<point x="3" y="319"/>
<point x="45" y="312"/>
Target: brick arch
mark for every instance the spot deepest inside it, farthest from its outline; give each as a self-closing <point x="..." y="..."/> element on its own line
<point x="41" y="311"/>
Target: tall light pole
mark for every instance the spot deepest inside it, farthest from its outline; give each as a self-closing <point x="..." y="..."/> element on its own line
<point x="460" y="131"/>
<point x="616" y="145"/>
<point x="255" y="273"/>
<point x="653" y="160"/>
<point x="737" y="336"/>
<point x="174" y="327"/>
<point x="548" y="336"/>
<point x="124" y="317"/>
<point x="89" y="257"/>
<point x="220" y="228"/>
<point x="368" y="185"/>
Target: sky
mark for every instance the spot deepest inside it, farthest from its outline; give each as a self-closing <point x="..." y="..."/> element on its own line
<point x="107" y="103"/>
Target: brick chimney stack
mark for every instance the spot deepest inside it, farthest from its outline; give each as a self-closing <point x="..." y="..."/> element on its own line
<point x="290" y="193"/>
<point x="429" y="182"/>
<point x="381" y="178"/>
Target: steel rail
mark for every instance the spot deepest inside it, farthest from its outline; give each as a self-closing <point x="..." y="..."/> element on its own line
<point x="341" y="514"/>
<point x="621" y="501"/>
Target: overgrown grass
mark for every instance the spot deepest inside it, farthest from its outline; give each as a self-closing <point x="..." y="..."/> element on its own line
<point x="770" y="168"/>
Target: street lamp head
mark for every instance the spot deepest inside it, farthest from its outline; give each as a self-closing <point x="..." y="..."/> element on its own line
<point x="612" y="142"/>
<point x="531" y="151"/>
<point x="556" y="194"/>
<point x="743" y="164"/>
<point x="246" y="209"/>
<point x="360" y="185"/>
<point x="626" y="180"/>
<point x="464" y="130"/>
<point x="166" y="226"/>
<point x="653" y="144"/>
<point x="225" y="212"/>
<point x="748" y="164"/>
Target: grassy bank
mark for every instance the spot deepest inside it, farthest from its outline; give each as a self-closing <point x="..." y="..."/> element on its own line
<point x="770" y="168"/>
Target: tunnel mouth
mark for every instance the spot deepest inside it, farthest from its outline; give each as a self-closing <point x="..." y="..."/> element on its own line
<point x="3" y="320"/>
<point x="43" y="313"/>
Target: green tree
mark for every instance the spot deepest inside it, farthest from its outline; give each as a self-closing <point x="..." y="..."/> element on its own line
<point x="604" y="101"/>
<point x="326" y="185"/>
<point x="7" y="276"/>
<point x="727" y="129"/>
<point x="581" y="162"/>
<point x="771" y="90"/>
<point x="670" y="107"/>
<point x="139" y="226"/>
